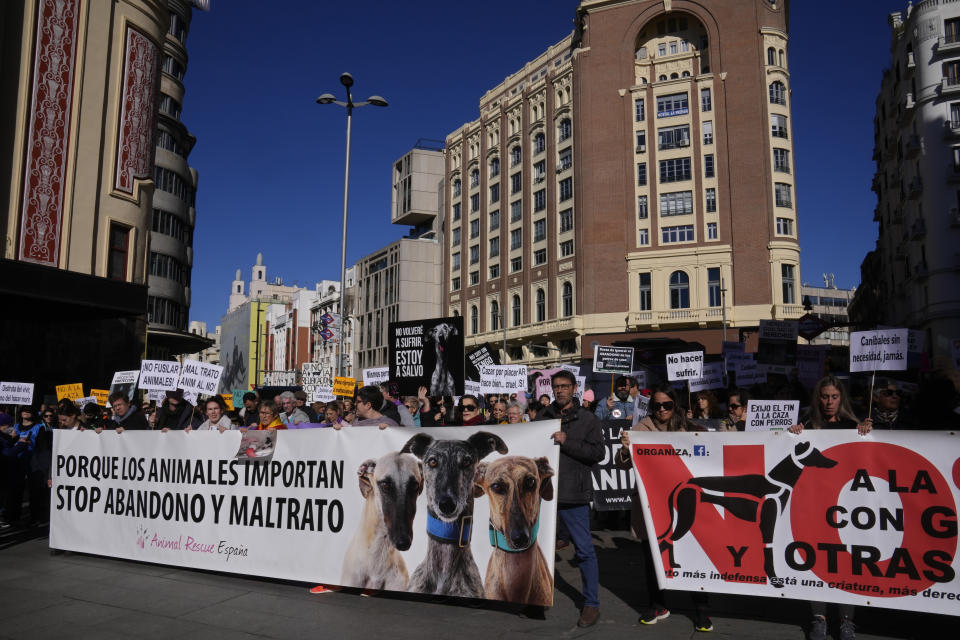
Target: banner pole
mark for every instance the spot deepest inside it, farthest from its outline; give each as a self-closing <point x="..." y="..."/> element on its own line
<point x="689" y="396"/>
<point x="870" y="402"/>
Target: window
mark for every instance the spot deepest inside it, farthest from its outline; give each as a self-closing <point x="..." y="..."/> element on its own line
<point x="118" y="250"/>
<point x="475" y="254"/>
<point x="643" y="211"/>
<point x="679" y="290"/>
<point x="643" y="237"/>
<point x="711" y="231"/>
<point x="708" y="168"/>
<point x="641" y="174"/>
<point x="714" y="296"/>
<point x="566" y="160"/>
<point x="539" y="230"/>
<point x="673" y="47"/>
<point x="474" y="319"/>
<point x="566" y="220"/>
<point x="707" y="129"/>
<point x="645" y="297"/>
<point x="711" y="200"/>
<point x="455" y="236"/>
<point x="566" y="248"/>
<point x="951" y="71"/>
<point x="170" y="225"/>
<point x="494" y="167"/>
<point x="541" y="305"/>
<point x="474" y="278"/>
<point x="673" y="137"/>
<point x="164" y="266"/>
<point x="494" y="315"/>
<point x="172" y="182"/>
<point x="516" y="264"/>
<point x="675" y="104"/>
<point x="166" y="311"/>
<point x="539" y="257"/>
<point x="494" y="219"/>
<point x="457" y="187"/>
<point x="540" y="200"/>
<point x="474" y="178"/>
<point x="494" y="271"/>
<point x="516" y="311"/>
<point x="706" y="101"/>
<point x="565" y="130"/>
<point x="166" y="140"/>
<point x="778" y="93"/>
<point x="641" y="141"/>
<point x="516" y="238"/>
<point x="455" y="261"/>
<point x="778" y="126"/>
<point x="676" y="203"/>
<point x="455" y="283"/>
<point x="782" y="192"/>
<point x="662" y="49"/>
<point x="474" y="203"/>
<point x="781" y="160"/>
<point x="539" y="171"/>
<point x="771" y="56"/>
<point x="515" y="155"/>
<point x="784" y="227"/>
<point x="516" y="183"/>
<point x="169" y="106"/>
<point x="516" y="211"/>
<point x="567" y="299"/>
<point x="675" y="170"/>
<point x="951" y="31"/>
<point x="495" y="192"/>
<point x="780" y="58"/>
<point x="566" y="189"/>
<point x="178" y="27"/>
<point x="494" y="247"/>
<point x="474" y="229"/>
<point x="681" y="233"/>
<point x="787" y="277"/>
<point x="456" y="211"/>
<point x="639" y="114"/>
<point x="539" y="143"/>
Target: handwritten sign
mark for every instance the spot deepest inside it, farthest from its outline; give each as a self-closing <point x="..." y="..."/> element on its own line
<point x="228" y="400"/>
<point x="199" y="377"/>
<point x="70" y="391"/>
<point x="771" y="415"/>
<point x="344" y="387"/>
<point x="883" y="350"/>
<point x="16" y="393"/>
<point x="685" y="366"/>
<point x="504" y="378"/>
<point x="324" y="394"/>
<point x="101" y="396"/>
<point x="159" y="375"/>
<point x="376" y="376"/>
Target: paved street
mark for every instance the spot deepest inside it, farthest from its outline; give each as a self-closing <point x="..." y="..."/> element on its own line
<point x="81" y="596"/>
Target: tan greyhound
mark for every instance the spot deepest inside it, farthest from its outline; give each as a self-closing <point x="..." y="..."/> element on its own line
<point x="517" y="571"/>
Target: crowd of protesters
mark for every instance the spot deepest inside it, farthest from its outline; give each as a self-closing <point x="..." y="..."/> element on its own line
<point x="26" y="436"/>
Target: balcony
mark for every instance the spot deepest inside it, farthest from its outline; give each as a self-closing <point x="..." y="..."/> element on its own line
<point x="948" y="42"/>
<point x="787" y="311"/>
<point x="915" y="187"/>
<point x="949" y="86"/>
<point x="912" y="147"/>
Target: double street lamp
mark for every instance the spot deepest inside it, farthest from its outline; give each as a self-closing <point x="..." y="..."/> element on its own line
<point x="328" y="98"/>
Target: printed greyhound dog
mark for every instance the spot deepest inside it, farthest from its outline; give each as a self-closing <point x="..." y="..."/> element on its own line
<point x="390" y="487"/>
<point x="441" y="382"/>
<point x="751" y="497"/>
<point x="448" y="472"/>
<point x="517" y="571"/>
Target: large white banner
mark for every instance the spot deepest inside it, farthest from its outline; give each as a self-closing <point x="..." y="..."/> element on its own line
<point x="503" y="378"/>
<point x="825" y="515"/>
<point x="352" y="507"/>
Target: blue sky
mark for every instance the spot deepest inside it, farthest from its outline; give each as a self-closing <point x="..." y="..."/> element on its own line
<point x="271" y="160"/>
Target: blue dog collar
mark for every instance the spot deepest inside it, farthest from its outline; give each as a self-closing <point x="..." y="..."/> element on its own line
<point x="498" y="540"/>
<point x="460" y="531"/>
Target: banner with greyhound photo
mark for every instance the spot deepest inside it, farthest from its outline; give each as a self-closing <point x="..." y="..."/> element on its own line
<point x="455" y="511"/>
<point x="824" y="515"/>
<point x="427" y="353"/>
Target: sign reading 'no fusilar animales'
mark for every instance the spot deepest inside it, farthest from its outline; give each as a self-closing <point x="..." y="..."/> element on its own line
<point x="827" y="516"/>
<point x="772" y="415"/>
<point x="882" y="350"/>
<point x="504" y="378"/>
<point x="307" y="505"/>
<point x="612" y="359"/>
<point x="427" y="353"/>
<point x="685" y="366"/>
<point x="159" y="375"/>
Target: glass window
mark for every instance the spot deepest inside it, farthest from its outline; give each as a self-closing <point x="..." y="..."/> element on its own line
<point x="787" y="276"/>
<point x="778" y="93"/>
<point x="494" y="247"/>
<point x="516" y="183"/>
<point x="455" y="283"/>
<point x="474" y="202"/>
<point x="516" y="264"/>
<point x="676" y="203"/>
<point x="641" y="141"/>
<point x="474" y="178"/>
<point x="567" y="299"/>
<point x="474" y="319"/>
<point x="494" y="271"/>
<point x="457" y="187"/>
<point x="539" y="230"/>
<point x="638" y="111"/>
<point x="539" y="143"/>
<point x="681" y="233"/>
<point x="566" y="248"/>
<point x="566" y="159"/>
<point x="707" y="129"/>
<point x="708" y="168"/>
<point x="118" y="250"/>
<point x="516" y="311"/>
<point x="540" y="256"/>
<point x="516" y="211"/>
<point x="645" y="297"/>
<point x="781" y="160"/>
<point x="713" y="287"/>
<point x="778" y="126"/>
<point x="566" y="189"/>
<point x="565" y="129"/>
<point x="643" y="237"/>
<point x="673" y="137"/>
<point x="706" y="102"/>
<point x="771" y="56"/>
<point x="675" y="170"/>
<point x="784" y="227"/>
<point x="455" y="260"/>
<point x="494" y="315"/>
<point x="539" y="171"/>
<point x="456" y="211"/>
<point x="474" y="229"/>
<point x="474" y="278"/>
<point x="494" y="167"/>
<point x="495" y="192"/>
<point x="711" y="200"/>
<point x="679" y="290"/>
<point x="783" y="195"/>
<point x="516" y="238"/>
<point x="641" y="174"/>
<point x="711" y="231"/>
<point x="566" y="220"/>
<point x="540" y="200"/>
<point x="541" y="305"/>
<point x="676" y="104"/>
<point x="515" y="154"/>
<point x="643" y="210"/>
<point x="475" y="254"/>
<point x="494" y="219"/>
<point x="455" y="236"/>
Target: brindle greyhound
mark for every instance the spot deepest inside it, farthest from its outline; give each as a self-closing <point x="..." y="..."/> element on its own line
<point x="390" y="487"/>
<point x="449" y="468"/>
<point x="751" y="497"/>
<point x="517" y="571"/>
<point x="441" y="382"/>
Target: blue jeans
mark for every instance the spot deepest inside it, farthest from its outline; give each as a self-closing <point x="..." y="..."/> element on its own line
<point x="577" y="520"/>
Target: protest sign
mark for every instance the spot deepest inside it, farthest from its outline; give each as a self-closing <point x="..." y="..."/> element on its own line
<point x="777" y="342"/>
<point x="82" y="402"/>
<point x="69" y="391"/>
<point x="375" y="376"/>
<point x="641" y="408"/>
<point x="344" y="387"/>
<point x="572" y="368"/>
<point x="477" y="358"/>
<point x="734" y="360"/>
<point x="191" y="397"/>
<point x="750" y="373"/>
<point x="544" y="387"/>
<point x="102" y="396"/>
<point x="640" y="377"/>
<point x="503" y="378"/>
<point x="288" y="505"/>
<point x="159" y="375"/>
<point x="124" y="382"/>
<point x="612" y="359"/>
<point x="427" y="353"/>
<point x="828" y="516"/>
<point x="712" y="378"/>
<point x="228" y="401"/>
<point x="199" y="377"/>
<point x="471" y="388"/>
<point x="612" y="487"/>
<point x="16" y="393"/>
<point x="685" y="366"/>
<point x="313" y="375"/>
<point x="772" y="415"/>
<point x="323" y="394"/>
<point x="881" y="350"/>
<point x="157" y="395"/>
<point x="238" y="398"/>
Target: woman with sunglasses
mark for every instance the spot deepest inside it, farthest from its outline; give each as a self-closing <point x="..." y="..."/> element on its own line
<point x="736" y="418"/>
<point x="887" y="412"/>
<point x="665" y="413"/>
<point x="469" y="410"/>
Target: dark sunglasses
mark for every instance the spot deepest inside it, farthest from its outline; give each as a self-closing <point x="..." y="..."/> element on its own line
<point x="734" y="405"/>
<point x="666" y="406"/>
<point x="886" y="393"/>
<point x="48" y="415"/>
<point x="468" y="407"/>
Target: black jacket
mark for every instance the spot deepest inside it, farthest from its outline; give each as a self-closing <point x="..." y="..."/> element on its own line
<point x="179" y="419"/>
<point x="583" y="448"/>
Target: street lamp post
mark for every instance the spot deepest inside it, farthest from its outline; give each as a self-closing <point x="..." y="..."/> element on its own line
<point x="328" y="98"/>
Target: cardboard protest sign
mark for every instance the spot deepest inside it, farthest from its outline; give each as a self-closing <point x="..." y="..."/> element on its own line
<point x="612" y="359"/>
<point x="839" y="504"/>
<point x="237" y="395"/>
<point x="641" y="408"/>
<point x="572" y="368"/>
<point x="478" y="358"/>
<point x="199" y="377"/>
<point x="712" y="378"/>
<point x="324" y="394"/>
<point x="69" y="391"/>
<point x="228" y="401"/>
<point x="427" y="353"/>
<point x="156" y="395"/>
<point x="313" y="375"/>
<point x="685" y="366"/>
<point x="159" y="375"/>
<point x="772" y="415"/>
<point x="102" y="396"/>
<point x="287" y="504"/>
<point x="82" y="402"/>
<point x="612" y="487"/>
<point x="376" y="376"/>
<point x="504" y="378"/>
<point x="778" y="342"/>
<point x="734" y="360"/>
<point x="750" y="373"/>
<point x="344" y="387"/>
<point x="880" y="350"/>
<point x="640" y="377"/>
<point x="16" y="393"/>
<point x="471" y="388"/>
<point x="125" y="382"/>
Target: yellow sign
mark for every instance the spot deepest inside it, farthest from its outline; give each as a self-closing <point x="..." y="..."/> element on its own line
<point x="101" y="395"/>
<point x="228" y="400"/>
<point x="70" y="391"/>
<point x="344" y="386"/>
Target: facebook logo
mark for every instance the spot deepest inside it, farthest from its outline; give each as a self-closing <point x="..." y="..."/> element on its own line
<point x="699" y="449"/>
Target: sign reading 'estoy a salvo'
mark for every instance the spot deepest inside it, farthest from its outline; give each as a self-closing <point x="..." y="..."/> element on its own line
<point x="881" y="350"/>
<point x="685" y="366"/>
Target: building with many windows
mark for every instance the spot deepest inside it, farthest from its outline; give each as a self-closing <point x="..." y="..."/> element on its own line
<point x="829" y="304"/>
<point x="912" y="277"/>
<point x="597" y="193"/>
